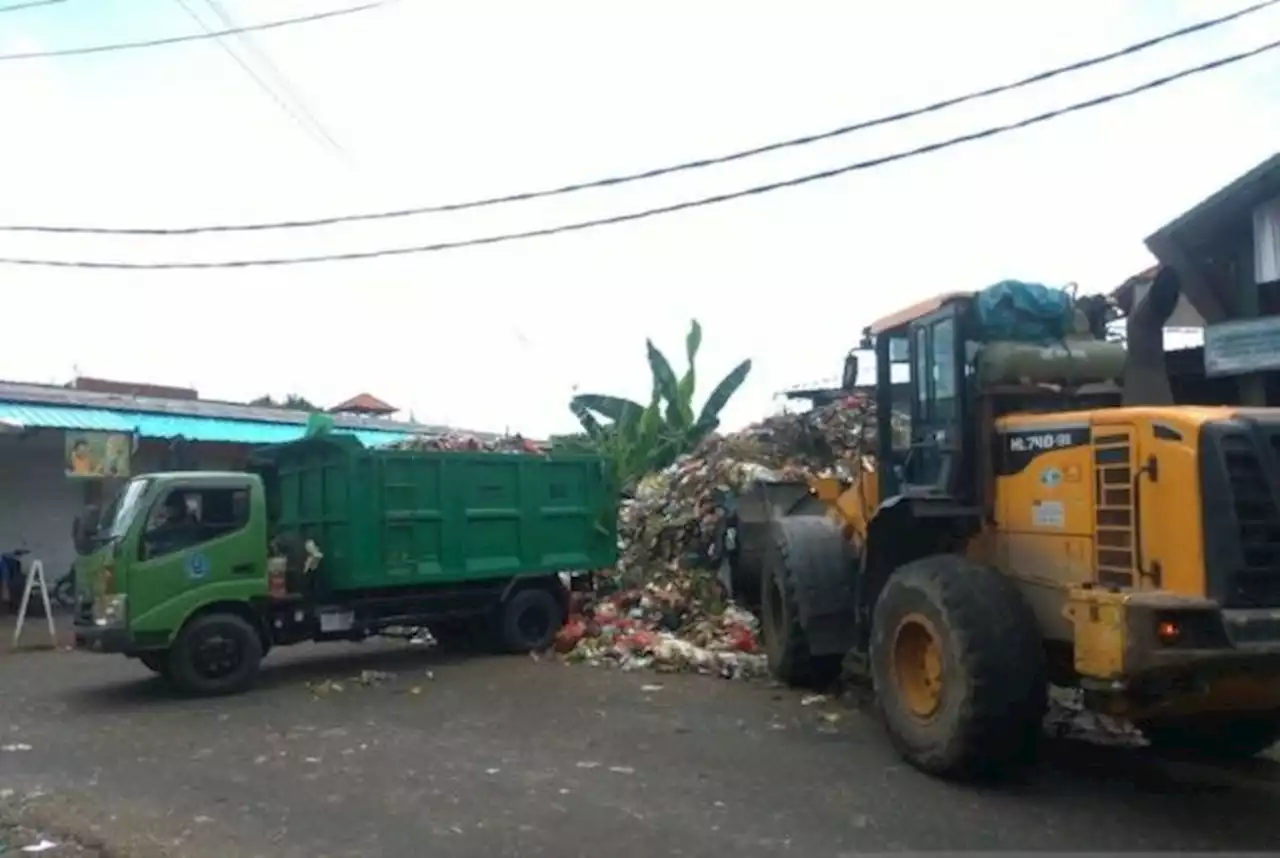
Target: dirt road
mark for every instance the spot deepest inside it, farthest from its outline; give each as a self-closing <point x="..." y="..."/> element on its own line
<point x="508" y="756"/>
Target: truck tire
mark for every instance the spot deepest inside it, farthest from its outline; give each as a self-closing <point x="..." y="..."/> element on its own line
<point x="959" y="668"/>
<point x="529" y="620"/>
<point x="1221" y="736"/>
<point x="215" y="654"/>
<point x="799" y="544"/>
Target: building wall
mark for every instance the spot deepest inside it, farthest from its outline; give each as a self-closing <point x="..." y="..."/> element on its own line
<point x="38" y="503"/>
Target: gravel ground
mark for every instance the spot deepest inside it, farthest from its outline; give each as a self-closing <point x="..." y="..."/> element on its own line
<point x="511" y="756"/>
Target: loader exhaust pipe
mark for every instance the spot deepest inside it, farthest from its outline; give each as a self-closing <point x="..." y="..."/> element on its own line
<point x="1146" y="373"/>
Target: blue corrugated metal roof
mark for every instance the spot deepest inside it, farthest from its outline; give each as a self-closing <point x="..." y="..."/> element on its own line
<point x="152" y="425"/>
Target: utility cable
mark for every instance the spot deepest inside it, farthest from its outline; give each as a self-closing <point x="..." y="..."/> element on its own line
<point x="317" y="134"/>
<point x="285" y="87"/>
<point x="661" y="171"/>
<point x="194" y="37"/>
<point x="644" y="214"/>
<point x="30" y="4"/>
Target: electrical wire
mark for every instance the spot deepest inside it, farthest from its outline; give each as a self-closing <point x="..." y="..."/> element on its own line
<point x="317" y="134"/>
<point x="653" y="173"/>
<point x="194" y="37"/>
<point x="644" y="214"/>
<point x="285" y="87"/>
<point x="30" y="4"/>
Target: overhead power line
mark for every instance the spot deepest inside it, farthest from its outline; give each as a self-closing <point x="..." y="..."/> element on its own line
<point x="284" y="85"/>
<point x="653" y="173"/>
<point x="311" y="127"/>
<point x="644" y="214"/>
<point x="30" y="4"/>
<point x="194" y="37"/>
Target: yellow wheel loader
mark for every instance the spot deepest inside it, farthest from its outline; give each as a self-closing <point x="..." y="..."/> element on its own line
<point x="1054" y="518"/>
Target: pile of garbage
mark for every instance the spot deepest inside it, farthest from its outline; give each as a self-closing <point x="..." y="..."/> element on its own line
<point x="663" y="606"/>
<point x="664" y="628"/>
<point x="459" y="441"/>
<point x="675" y="520"/>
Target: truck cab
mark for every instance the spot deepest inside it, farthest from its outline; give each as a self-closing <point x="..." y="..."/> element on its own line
<point x="166" y="544"/>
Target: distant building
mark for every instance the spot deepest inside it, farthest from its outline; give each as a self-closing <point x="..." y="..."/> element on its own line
<point x="364" y="404"/>
<point x="62" y="446"/>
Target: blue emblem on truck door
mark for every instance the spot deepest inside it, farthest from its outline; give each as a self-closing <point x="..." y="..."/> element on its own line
<point x="197" y="566"/>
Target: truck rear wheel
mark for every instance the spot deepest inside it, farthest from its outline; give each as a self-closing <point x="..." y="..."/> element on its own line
<point x="215" y="654"/>
<point x="1223" y="736"/>
<point x="959" y="668"/>
<point x="529" y="620"/>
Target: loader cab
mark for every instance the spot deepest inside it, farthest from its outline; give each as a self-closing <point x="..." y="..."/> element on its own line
<point x="928" y="344"/>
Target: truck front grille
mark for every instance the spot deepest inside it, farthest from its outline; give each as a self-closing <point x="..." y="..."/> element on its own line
<point x="1256" y="579"/>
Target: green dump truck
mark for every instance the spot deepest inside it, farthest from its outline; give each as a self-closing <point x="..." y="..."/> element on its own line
<point x="199" y="574"/>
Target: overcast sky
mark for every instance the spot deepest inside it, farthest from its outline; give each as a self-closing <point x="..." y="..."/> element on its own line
<point x="438" y="102"/>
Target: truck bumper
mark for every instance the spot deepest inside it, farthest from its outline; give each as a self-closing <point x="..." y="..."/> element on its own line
<point x="104" y="639"/>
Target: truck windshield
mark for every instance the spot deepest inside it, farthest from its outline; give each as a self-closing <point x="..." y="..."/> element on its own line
<point x="123" y="509"/>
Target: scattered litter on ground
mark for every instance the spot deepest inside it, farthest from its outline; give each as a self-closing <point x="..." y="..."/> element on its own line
<point x="622" y="770"/>
<point x="366" y="679"/>
<point x="813" y="699"/>
<point x="649" y="689"/>
<point x="15" y="747"/>
<point x="1069" y="719"/>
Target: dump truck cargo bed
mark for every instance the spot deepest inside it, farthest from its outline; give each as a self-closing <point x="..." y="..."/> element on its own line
<point x="387" y="518"/>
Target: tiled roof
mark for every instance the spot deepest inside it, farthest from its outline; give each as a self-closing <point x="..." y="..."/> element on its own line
<point x="364" y="402"/>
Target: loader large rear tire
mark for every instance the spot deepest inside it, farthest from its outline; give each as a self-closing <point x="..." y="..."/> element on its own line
<point x="801" y="546"/>
<point x="959" y="668"/>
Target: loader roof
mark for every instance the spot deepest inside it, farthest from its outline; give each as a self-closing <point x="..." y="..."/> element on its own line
<point x="907" y="315"/>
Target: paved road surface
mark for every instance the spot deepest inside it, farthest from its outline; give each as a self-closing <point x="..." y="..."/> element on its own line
<point x="492" y="757"/>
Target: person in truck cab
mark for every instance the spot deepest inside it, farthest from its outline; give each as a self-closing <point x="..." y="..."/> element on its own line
<point x="172" y="528"/>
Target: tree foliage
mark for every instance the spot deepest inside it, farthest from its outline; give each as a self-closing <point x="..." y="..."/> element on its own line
<point x="637" y="439"/>
<point x="292" y="401"/>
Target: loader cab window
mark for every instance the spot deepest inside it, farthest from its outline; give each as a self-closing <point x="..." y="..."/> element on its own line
<point x="937" y="442"/>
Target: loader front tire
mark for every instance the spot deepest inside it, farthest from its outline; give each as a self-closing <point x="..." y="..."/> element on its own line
<point x="800" y="546"/>
<point x="959" y="668"/>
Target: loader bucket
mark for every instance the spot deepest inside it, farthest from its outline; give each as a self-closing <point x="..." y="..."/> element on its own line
<point x="757" y="507"/>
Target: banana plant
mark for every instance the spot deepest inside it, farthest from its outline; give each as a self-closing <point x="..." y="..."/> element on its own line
<point x="640" y="439"/>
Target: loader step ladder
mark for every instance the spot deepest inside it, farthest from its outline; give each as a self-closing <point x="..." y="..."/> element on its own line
<point x="1114" y="503"/>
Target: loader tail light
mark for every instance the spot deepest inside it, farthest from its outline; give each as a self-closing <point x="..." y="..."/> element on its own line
<point x="1168" y="631"/>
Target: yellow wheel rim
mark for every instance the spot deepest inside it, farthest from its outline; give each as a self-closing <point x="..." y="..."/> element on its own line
<point x="917" y="665"/>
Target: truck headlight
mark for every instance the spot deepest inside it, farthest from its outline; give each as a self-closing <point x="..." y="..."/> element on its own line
<point x="110" y="610"/>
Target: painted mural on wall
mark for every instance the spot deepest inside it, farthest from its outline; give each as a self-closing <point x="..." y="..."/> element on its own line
<point x="97" y="454"/>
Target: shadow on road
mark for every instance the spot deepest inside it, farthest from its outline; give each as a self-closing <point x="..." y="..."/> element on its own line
<point x="150" y="690"/>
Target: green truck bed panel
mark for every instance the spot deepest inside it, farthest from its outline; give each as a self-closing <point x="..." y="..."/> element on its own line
<point x="387" y="518"/>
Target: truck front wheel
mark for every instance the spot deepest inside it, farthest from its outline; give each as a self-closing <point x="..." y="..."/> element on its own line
<point x="530" y="620"/>
<point x="215" y="654"/>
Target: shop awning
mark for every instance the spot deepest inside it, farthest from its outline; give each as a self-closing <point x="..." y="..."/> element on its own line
<point x="155" y="425"/>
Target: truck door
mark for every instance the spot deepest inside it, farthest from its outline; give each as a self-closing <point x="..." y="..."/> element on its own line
<point x="193" y="535"/>
<point x="939" y="406"/>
